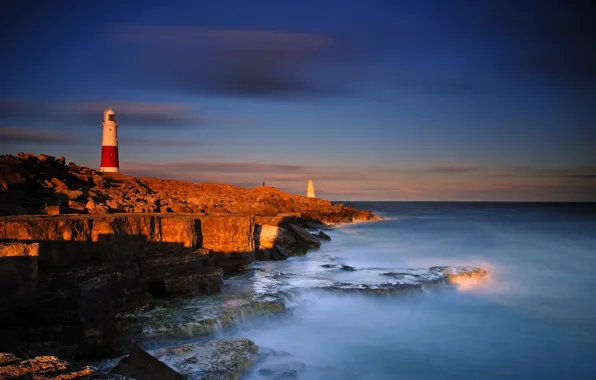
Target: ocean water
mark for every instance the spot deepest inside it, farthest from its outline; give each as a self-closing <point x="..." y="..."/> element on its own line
<point x="535" y="318"/>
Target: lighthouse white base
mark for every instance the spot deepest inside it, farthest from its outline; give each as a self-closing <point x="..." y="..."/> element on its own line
<point x="109" y="170"/>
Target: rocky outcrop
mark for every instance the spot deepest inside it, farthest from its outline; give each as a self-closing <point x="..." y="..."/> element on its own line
<point x="140" y="365"/>
<point x="31" y="184"/>
<point x="47" y="367"/>
<point x="98" y="246"/>
<point x="69" y="282"/>
<point x="217" y="359"/>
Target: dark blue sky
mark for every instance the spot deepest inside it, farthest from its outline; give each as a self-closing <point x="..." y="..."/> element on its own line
<point x="396" y="100"/>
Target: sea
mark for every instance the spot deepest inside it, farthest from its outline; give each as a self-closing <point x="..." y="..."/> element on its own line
<point x="534" y="317"/>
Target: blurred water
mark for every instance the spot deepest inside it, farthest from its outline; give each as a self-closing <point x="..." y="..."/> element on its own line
<point x="535" y="318"/>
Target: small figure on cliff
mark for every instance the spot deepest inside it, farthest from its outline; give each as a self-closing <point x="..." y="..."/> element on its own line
<point x="263" y="183"/>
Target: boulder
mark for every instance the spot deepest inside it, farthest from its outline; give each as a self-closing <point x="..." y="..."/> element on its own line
<point x="140" y="365"/>
<point x="322" y="236"/>
<point x="304" y="239"/>
<point x="76" y="207"/>
<point x="45" y="159"/>
<point x="90" y="205"/>
<point x="71" y="194"/>
<point x="99" y="181"/>
<point x="51" y="210"/>
<point x="279" y="253"/>
<point x="58" y="183"/>
<point x="282" y="370"/>
<point x="215" y="359"/>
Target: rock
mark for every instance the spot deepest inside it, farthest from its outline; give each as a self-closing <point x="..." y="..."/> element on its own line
<point x="94" y="269"/>
<point x="304" y="239"/>
<point x="200" y="281"/>
<point x="462" y="276"/>
<point x="45" y="159"/>
<point x="181" y="208"/>
<point x="58" y="183"/>
<point x="269" y="236"/>
<point x="279" y="253"/>
<point x="85" y="178"/>
<point x="339" y="267"/>
<point x="215" y="359"/>
<point x="90" y="205"/>
<point x="51" y="210"/>
<point x="46" y="367"/>
<point x="71" y="194"/>
<point x="165" y="209"/>
<point x="282" y="370"/>
<point x="322" y="236"/>
<point x="99" y="181"/>
<point x="140" y="365"/>
<point x="99" y="209"/>
<point x="76" y="207"/>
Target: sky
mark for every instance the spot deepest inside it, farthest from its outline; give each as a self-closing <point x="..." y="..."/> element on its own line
<point x="372" y="100"/>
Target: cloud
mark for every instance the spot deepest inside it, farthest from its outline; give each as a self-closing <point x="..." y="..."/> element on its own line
<point x="19" y="135"/>
<point x="133" y="114"/>
<point x="245" y="172"/>
<point x="142" y="114"/>
<point x="238" y="62"/>
<point x="159" y="142"/>
<point x="190" y="169"/>
<point x="89" y="112"/>
<point x="443" y="168"/>
<point x="454" y="168"/>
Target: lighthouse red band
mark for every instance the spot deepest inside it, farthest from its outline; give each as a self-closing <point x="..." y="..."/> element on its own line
<point x="109" y="146"/>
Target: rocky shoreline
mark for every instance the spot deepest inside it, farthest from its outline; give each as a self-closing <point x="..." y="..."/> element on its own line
<point x="92" y="264"/>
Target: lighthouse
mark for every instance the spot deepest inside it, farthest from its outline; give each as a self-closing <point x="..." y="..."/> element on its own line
<point x="109" y="143"/>
<point x="310" y="189"/>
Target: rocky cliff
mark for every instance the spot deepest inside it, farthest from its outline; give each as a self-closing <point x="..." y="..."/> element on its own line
<point x="31" y="184"/>
<point x="109" y="243"/>
<point x="69" y="281"/>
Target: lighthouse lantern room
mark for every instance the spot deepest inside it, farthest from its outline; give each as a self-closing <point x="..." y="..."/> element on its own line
<point x="109" y="145"/>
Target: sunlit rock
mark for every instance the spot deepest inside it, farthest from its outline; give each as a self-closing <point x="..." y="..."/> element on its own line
<point x="462" y="277"/>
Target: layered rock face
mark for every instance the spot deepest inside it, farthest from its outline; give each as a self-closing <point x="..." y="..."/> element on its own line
<point x="69" y="281"/>
<point x="31" y="184"/>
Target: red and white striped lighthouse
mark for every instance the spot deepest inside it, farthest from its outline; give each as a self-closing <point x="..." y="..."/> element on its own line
<point x="109" y="144"/>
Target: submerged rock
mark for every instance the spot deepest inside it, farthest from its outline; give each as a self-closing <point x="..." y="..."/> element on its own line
<point x="282" y="370"/>
<point x="462" y="276"/>
<point x="185" y="319"/>
<point x="322" y="236"/>
<point x="217" y="359"/>
<point x="338" y="267"/>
